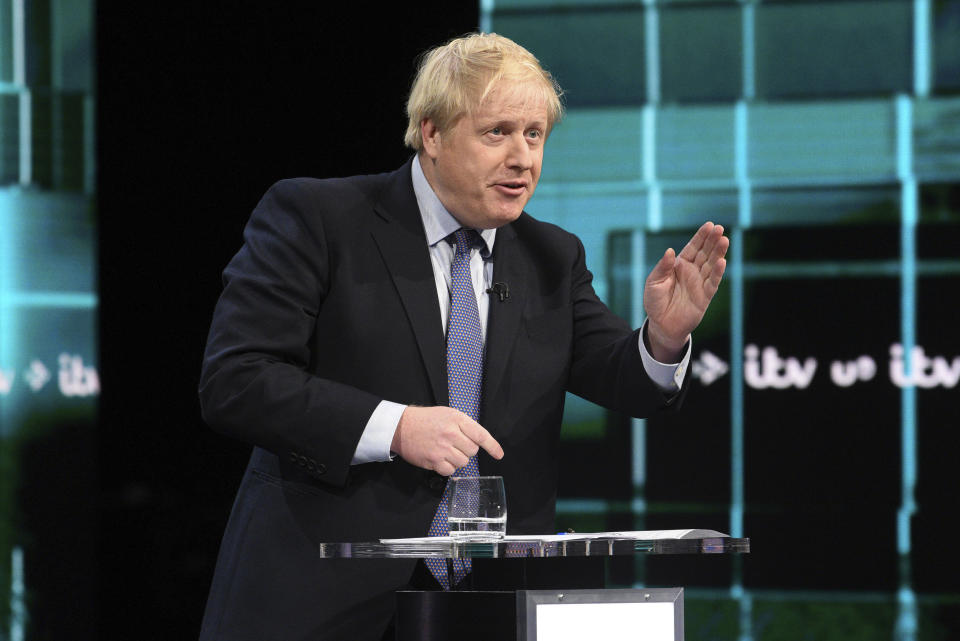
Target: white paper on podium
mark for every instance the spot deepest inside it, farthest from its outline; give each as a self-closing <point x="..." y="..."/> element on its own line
<point x="636" y="535"/>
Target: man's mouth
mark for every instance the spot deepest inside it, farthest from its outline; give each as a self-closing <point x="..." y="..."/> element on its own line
<point x="512" y="187"/>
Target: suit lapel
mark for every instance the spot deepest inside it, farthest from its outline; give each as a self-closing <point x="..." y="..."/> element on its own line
<point x="400" y="237"/>
<point x="509" y="267"/>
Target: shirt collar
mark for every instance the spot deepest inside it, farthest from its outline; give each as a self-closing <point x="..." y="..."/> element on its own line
<point x="437" y="221"/>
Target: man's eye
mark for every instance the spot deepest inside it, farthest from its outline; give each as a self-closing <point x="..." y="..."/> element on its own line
<point x="534" y="133"/>
<point x="496" y="131"/>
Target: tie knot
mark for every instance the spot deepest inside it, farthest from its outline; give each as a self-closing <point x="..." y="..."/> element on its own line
<point x="465" y="240"/>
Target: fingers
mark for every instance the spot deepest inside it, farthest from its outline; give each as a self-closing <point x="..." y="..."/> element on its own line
<point x="664" y="267"/>
<point x="714" y="253"/>
<point x="482" y="438"/>
<point x="712" y="282"/>
<point x="444" y="469"/>
<point x="695" y="246"/>
<point x="441" y="439"/>
<point x="455" y="459"/>
<point x="451" y="448"/>
<point x="707" y="247"/>
<point x="717" y="244"/>
<point x="713" y="242"/>
<point x="465" y="443"/>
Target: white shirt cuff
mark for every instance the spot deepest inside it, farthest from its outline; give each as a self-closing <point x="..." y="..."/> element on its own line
<point x="374" y="445"/>
<point x="667" y="376"/>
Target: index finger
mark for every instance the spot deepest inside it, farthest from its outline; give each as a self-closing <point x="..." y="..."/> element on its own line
<point x="697" y="242"/>
<point x="479" y="435"/>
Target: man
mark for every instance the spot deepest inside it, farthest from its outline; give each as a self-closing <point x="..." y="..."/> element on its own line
<point x="338" y="349"/>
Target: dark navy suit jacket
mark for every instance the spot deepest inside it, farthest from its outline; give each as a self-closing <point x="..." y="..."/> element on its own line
<point x="329" y="307"/>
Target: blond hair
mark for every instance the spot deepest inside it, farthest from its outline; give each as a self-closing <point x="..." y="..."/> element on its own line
<point x="454" y="79"/>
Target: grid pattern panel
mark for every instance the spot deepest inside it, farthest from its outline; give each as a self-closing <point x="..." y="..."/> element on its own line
<point x="825" y="136"/>
<point x="49" y="383"/>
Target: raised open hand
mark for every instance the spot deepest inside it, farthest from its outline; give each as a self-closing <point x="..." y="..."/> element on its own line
<point x="680" y="288"/>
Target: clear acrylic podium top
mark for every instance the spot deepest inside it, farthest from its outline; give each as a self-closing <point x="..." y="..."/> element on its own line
<point x="547" y="545"/>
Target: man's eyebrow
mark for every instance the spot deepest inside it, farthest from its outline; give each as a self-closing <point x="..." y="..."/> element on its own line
<point x="506" y="121"/>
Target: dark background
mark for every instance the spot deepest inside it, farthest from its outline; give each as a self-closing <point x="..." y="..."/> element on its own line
<point x="201" y="106"/>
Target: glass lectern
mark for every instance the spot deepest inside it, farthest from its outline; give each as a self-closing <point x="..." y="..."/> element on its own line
<point x="504" y="569"/>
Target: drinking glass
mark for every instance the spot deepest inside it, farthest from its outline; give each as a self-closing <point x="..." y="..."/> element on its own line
<point x="477" y="508"/>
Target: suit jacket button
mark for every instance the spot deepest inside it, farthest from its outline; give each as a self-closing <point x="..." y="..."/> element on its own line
<point x="321" y="468"/>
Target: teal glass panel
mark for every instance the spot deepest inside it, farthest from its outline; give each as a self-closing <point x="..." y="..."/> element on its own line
<point x="595" y="145"/>
<point x="700" y="53"/>
<point x="38" y="23"/>
<point x="9" y="139"/>
<point x="548" y="5"/>
<point x="69" y="161"/>
<point x="946" y="46"/>
<point x="695" y="143"/>
<point x="936" y="135"/>
<point x="42" y="137"/>
<point x="829" y="205"/>
<point x="591" y="215"/>
<point x="839" y="141"/>
<point x="833" y="48"/>
<point x="59" y="228"/>
<point x="6" y="41"/>
<point x="688" y="210"/>
<point x="597" y="55"/>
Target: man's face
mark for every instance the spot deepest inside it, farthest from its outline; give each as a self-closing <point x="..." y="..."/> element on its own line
<point x="485" y="167"/>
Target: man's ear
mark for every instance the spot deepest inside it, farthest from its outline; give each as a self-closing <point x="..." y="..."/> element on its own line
<point x="430" y="135"/>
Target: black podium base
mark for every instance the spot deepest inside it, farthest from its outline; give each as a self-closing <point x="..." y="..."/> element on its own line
<point x="465" y="616"/>
<point x="487" y="609"/>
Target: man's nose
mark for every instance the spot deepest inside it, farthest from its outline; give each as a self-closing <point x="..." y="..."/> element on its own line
<point x="519" y="154"/>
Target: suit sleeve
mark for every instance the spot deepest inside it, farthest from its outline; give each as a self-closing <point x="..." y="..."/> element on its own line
<point x="606" y="366"/>
<point x="256" y="383"/>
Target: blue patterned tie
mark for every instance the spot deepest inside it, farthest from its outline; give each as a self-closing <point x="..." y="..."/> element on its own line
<point x="464" y="378"/>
